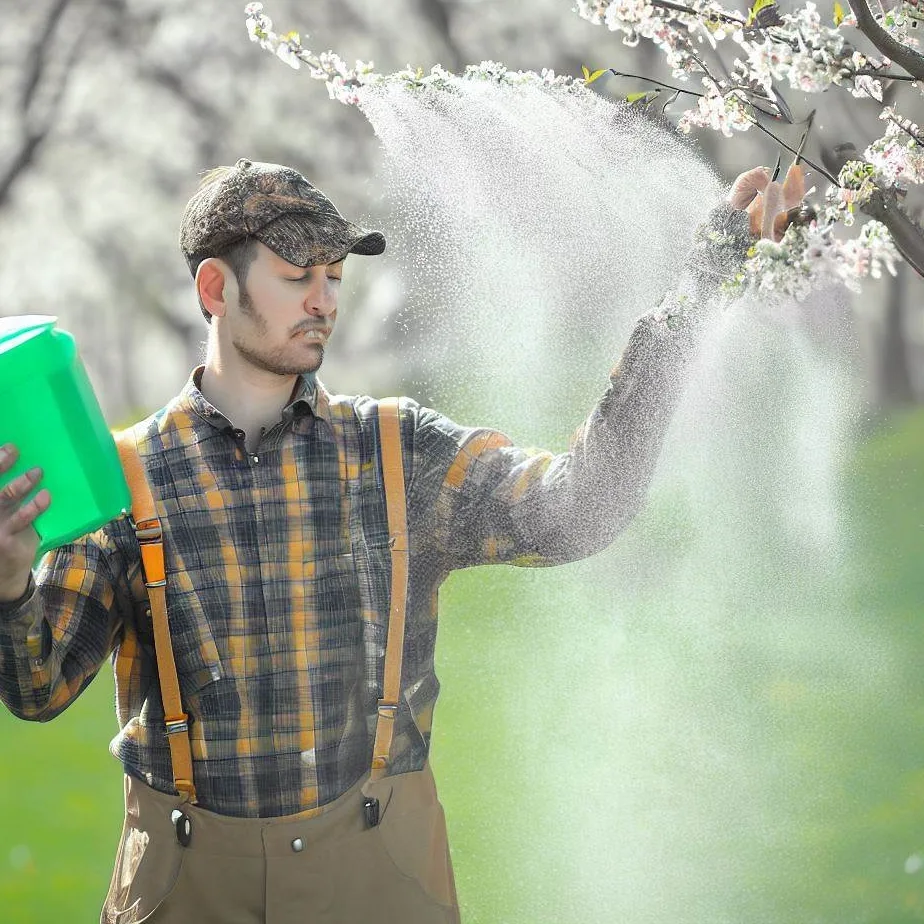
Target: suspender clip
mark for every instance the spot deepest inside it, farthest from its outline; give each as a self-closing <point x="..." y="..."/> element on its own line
<point x="146" y="529"/>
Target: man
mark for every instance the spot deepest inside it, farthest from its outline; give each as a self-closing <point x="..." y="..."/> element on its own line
<point x="277" y="548"/>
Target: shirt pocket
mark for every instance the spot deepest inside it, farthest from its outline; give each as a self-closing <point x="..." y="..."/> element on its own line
<point x="195" y="653"/>
<point x="372" y="556"/>
<point x="373" y="570"/>
<point x="208" y="690"/>
<point x="207" y="694"/>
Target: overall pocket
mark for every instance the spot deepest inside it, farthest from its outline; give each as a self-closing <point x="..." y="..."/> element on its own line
<point x="410" y="841"/>
<point x="148" y="859"/>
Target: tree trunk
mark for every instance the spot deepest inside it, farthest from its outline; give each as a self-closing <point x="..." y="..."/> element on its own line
<point x="895" y="385"/>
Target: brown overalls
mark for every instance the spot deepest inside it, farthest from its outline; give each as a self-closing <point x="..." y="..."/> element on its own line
<point x="378" y="852"/>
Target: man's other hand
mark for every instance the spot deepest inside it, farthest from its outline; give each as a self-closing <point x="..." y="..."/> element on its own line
<point x="772" y="207"/>
<point x="18" y="539"/>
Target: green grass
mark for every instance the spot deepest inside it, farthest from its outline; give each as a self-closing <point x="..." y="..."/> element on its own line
<point x="770" y="767"/>
<point x="61" y="811"/>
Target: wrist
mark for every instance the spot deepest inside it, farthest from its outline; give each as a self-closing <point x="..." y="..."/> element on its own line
<point x="716" y="262"/>
<point x="13" y="592"/>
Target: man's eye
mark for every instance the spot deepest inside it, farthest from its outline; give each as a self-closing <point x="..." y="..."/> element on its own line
<point x="308" y="278"/>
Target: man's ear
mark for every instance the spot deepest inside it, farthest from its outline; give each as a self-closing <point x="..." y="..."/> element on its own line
<point x="212" y="278"/>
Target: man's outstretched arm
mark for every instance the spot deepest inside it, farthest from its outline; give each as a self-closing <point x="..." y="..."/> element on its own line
<point x="499" y="503"/>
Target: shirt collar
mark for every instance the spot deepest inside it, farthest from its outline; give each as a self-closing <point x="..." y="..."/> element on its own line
<point x="308" y="397"/>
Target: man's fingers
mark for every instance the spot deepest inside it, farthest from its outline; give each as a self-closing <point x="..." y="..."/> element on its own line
<point x="19" y="539"/>
<point x="26" y="514"/>
<point x="19" y="488"/>
<point x="747" y="185"/>
<point x="15" y="516"/>
<point x="8" y="456"/>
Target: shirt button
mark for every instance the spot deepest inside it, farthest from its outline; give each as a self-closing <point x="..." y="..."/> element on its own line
<point x="298" y="845"/>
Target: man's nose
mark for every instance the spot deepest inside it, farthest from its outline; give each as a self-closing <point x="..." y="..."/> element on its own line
<point x="322" y="300"/>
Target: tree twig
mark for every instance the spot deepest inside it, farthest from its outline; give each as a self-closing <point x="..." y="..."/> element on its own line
<point x="34" y="135"/>
<point x="753" y="121"/>
<point x="680" y="8"/>
<point x="37" y="57"/>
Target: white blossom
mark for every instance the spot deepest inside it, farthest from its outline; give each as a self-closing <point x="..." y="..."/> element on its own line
<point x="865" y="85"/>
<point x="818" y="60"/>
<point x="285" y="53"/>
<point x="896" y="155"/>
<point x="720" y="111"/>
<point x="810" y="253"/>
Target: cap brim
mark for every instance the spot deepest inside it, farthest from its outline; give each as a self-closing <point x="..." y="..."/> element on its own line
<point x="307" y="241"/>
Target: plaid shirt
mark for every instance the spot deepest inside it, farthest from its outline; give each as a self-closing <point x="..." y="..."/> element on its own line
<point x="278" y="574"/>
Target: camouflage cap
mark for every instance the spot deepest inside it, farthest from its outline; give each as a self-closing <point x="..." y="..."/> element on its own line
<point x="276" y="205"/>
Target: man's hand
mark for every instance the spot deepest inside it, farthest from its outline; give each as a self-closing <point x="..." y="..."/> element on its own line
<point x="772" y="207"/>
<point x="755" y="208"/>
<point x="18" y="539"/>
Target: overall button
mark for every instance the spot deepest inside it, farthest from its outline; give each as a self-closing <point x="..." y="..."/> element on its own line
<point x="183" y="826"/>
<point x="298" y="845"/>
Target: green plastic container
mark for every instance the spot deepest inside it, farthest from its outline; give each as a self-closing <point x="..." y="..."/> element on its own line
<point x="49" y="411"/>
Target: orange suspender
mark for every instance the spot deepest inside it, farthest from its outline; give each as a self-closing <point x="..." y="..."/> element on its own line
<point x="147" y="528"/>
<point x="150" y="538"/>
<point x="393" y="474"/>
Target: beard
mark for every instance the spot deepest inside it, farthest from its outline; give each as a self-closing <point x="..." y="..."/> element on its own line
<point x="279" y="360"/>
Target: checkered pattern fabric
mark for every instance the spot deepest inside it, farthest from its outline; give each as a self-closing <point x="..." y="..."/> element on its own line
<point x="278" y="574"/>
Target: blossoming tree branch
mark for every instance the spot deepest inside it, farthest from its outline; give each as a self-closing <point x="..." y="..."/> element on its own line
<point x="796" y="242"/>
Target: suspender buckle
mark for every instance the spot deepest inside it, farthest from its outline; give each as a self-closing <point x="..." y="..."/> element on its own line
<point x="177" y="725"/>
<point x="150" y="542"/>
<point x="146" y="529"/>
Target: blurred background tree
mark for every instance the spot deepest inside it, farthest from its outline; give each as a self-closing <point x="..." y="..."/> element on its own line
<point x="111" y="108"/>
